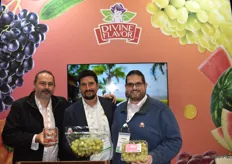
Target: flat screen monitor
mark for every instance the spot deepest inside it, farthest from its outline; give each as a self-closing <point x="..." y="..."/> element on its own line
<point x="112" y="76"/>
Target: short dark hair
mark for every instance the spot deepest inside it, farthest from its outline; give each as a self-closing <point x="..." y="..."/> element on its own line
<point x="43" y="71"/>
<point x="136" y="72"/>
<point x="86" y="73"/>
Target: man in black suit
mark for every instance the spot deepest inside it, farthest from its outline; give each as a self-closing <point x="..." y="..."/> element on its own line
<point x="28" y="116"/>
<point x="92" y="111"/>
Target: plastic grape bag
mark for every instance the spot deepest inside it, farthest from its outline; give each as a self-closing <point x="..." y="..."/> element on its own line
<point x="83" y="142"/>
<point x="134" y="151"/>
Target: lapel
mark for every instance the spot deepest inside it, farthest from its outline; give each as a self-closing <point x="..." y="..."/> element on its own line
<point x="80" y="118"/>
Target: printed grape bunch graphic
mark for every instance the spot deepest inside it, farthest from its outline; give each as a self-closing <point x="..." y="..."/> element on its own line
<point x="207" y="23"/>
<point x="20" y="35"/>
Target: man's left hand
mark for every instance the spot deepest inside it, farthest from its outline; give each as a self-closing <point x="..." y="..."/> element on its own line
<point x="148" y="161"/>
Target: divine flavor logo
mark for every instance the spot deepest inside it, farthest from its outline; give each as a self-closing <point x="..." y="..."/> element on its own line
<point x="117" y="26"/>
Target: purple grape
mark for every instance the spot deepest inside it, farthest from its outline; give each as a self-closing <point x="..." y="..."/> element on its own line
<point x="43" y="36"/>
<point x="13" y="45"/>
<point x="16" y="17"/>
<point x="7" y="80"/>
<point x="2" y="106"/>
<point x="23" y="39"/>
<point x="23" y="22"/>
<point x="37" y="45"/>
<point x="28" y="28"/>
<point x="35" y="37"/>
<point x="15" y="32"/>
<point x="11" y="14"/>
<point x="5" y="37"/>
<point x="28" y="64"/>
<point x="3" y="74"/>
<point x="15" y="23"/>
<point x="12" y="84"/>
<point x="33" y="18"/>
<point x="29" y="49"/>
<point x="41" y="28"/>
<point x="4" y="65"/>
<point x="19" y="71"/>
<point x="19" y="56"/>
<point x="23" y="13"/>
<point x="8" y="100"/>
<point x="5" y="88"/>
<point x="3" y="8"/>
<point x="19" y="82"/>
<point x="6" y="18"/>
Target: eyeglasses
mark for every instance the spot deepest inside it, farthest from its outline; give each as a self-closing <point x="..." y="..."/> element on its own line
<point x="137" y="85"/>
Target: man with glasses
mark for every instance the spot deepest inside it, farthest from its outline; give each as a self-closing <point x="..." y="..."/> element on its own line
<point x="144" y="118"/>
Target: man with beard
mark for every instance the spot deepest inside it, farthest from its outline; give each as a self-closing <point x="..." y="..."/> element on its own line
<point x="90" y="111"/>
<point x="144" y="118"/>
<point x="28" y="117"/>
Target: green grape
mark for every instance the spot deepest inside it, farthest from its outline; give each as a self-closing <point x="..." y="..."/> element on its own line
<point x="191" y="38"/>
<point x="226" y="14"/>
<point x="172" y="22"/>
<point x="135" y="156"/>
<point x="192" y="6"/>
<point x="207" y="29"/>
<point x="174" y="35"/>
<point x="216" y="3"/>
<point x="160" y="19"/>
<point x="193" y="23"/>
<point x="207" y="5"/>
<point x="86" y="146"/>
<point x="226" y="28"/>
<point x="201" y="49"/>
<point x="204" y="42"/>
<point x="152" y="8"/>
<point x="181" y="27"/>
<point x="171" y="11"/>
<point x="162" y="3"/>
<point x="202" y="16"/>
<point x="216" y="36"/>
<point x="177" y="3"/>
<point x="182" y="15"/>
<point x="183" y="40"/>
<point x="153" y="22"/>
<point x="165" y="31"/>
<point x="172" y="29"/>
<point x="181" y="33"/>
<point x="215" y="17"/>
<point x="212" y="47"/>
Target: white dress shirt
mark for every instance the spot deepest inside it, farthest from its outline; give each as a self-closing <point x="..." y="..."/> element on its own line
<point x="97" y="121"/>
<point x="50" y="153"/>
<point x="134" y="108"/>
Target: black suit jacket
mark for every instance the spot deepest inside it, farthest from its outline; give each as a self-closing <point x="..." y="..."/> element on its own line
<point x="24" y="121"/>
<point x="75" y="116"/>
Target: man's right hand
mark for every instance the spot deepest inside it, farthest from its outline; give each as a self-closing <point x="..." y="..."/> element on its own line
<point x="39" y="138"/>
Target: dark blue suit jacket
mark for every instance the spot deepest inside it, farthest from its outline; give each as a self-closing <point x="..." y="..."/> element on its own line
<point x="75" y="116"/>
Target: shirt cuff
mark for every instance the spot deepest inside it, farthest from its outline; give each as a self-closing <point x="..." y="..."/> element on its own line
<point x="34" y="146"/>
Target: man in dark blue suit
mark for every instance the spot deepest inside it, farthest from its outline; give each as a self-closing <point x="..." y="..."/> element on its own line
<point x="92" y="111"/>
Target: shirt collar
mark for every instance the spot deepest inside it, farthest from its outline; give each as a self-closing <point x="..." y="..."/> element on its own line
<point x="86" y="105"/>
<point x="141" y="105"/>
<point x="39" y="104"/>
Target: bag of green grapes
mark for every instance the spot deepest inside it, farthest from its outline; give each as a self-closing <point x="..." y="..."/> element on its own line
<point x="85" y="143"/>
<point x="134" y="151"/>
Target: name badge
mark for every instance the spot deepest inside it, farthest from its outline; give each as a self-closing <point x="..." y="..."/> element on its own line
<point x="122" y="137"/>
